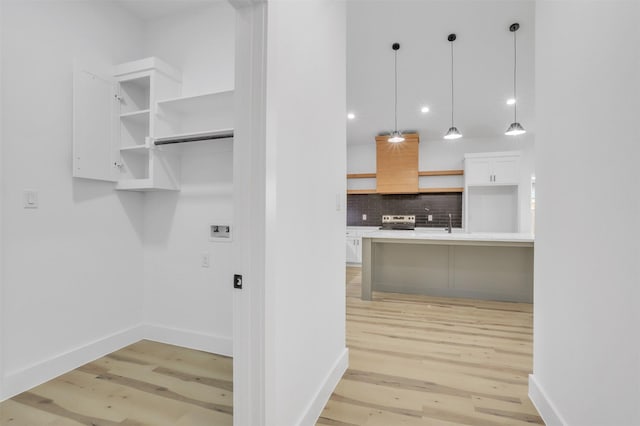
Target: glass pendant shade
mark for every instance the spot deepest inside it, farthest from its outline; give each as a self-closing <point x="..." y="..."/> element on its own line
<point x="515" y="129"/>
<point x="453" y="133"/>
<point x="396" y="137"/>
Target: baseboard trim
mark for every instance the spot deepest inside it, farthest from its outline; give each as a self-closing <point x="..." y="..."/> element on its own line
<point x="27" y="378"/>
<point x="16" y="382"/>
<point x="543" y="404"/>
<point x="312" y="413"/>
<point x="188" y="339"/>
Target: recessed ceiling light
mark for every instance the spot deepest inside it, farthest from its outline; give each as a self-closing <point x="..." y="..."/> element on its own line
<point x="511" y="101"/>
<point x="351" y="116"/>
<point x="424" y="109"/>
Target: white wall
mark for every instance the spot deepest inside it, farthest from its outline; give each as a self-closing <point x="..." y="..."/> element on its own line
<point x="73" y="267"/>
<point x="184" y="302"/>
<point x="305" y="169"/>
<point x="200" y="43"/>
<point x="191" y="303"/>
<point x="447" y="155"/>
<point x="586" y="345"/>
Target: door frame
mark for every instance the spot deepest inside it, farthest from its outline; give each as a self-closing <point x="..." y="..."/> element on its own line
<point x="2" y="310"/>
<point x="249" y="206"/>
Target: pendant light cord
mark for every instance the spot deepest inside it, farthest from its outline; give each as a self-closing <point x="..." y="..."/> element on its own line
<point x="515" y="64"/>
<point x="451" y="83"/>
<point x="396" y="90"/>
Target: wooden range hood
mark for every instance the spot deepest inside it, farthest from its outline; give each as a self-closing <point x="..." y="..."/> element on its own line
<point x="397" y="165"/>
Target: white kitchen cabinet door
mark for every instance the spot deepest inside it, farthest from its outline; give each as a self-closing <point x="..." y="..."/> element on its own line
<point x="505" y="170"/>
<point x="477" y="171"/>
<point x="95" y="125"/>
<point x="485" y="169"/>
<point x="354" y="250"/>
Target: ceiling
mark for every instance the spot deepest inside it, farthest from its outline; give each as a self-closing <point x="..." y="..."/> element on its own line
<point x="483" y="65"/>
<point x="149" y="10"/>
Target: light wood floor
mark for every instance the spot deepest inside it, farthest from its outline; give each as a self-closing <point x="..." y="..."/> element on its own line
<point x="145" y="384"/>
<point x="417" y="360"/>
<point x="414" y="360"/>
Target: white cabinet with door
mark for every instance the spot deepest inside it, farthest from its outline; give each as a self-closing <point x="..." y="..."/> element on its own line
<point x="354" y="242"/>
<point x="491" y="192"/>
<point x="496" y="168"/>
<point x="354" y="249"/>
<point x="121" y="111"/>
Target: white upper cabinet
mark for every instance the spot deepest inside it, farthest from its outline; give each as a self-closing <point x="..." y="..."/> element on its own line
<point x="492" y="168"/>
<point x="121" y="112"/>
<point x="477" y="171"/>
<point x="491" y="191"/>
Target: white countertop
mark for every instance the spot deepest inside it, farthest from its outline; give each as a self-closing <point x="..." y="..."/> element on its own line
<point x="439" y="234"/>
<point x="456" y="235"/>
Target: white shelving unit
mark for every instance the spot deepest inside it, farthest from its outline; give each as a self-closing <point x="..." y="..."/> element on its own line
<point x="140" y="83"/>
<point x="492" y="179"/>
<point x="198" y="115"/>
<point x="119" y="115"/>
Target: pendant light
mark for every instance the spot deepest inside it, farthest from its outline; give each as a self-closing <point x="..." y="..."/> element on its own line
<point x="453" y="132"/>
<point x="515" y="128"/>
<point x="396" y="136"/>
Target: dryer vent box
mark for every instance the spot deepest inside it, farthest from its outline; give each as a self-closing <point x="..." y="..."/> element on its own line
<point x="220" y="233"/>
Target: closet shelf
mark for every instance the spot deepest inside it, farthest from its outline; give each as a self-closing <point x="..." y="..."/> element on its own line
<point x="141" y="185"/>
<point x="140" y="116"/>
<point x="198" y="103"/>
<point x="135" y="149"/>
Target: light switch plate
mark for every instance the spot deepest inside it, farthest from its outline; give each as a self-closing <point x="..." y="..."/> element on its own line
<point x="205" y="260"/>
<point x="30" y="199"/>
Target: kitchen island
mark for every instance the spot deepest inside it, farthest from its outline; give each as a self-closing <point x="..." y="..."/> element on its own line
<point x="491" y="266"/>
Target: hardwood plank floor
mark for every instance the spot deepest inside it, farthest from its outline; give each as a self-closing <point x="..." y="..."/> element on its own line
<point x="418" y="360"/>
<point x="145" y="384"/>
<point x="414" y="360"/>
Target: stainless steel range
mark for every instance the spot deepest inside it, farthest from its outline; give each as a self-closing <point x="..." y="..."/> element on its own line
<point x="407" y="222"/>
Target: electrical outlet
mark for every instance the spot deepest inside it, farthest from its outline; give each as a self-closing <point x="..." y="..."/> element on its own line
<point x="205" y="260"/>
<point x="430" y="218"/>
<point x="364" y="217"/>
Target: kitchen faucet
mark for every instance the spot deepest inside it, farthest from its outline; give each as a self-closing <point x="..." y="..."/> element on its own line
<point x="450" y="225"/>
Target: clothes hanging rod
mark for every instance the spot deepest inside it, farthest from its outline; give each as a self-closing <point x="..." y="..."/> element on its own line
<point x="194" y="138"/>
